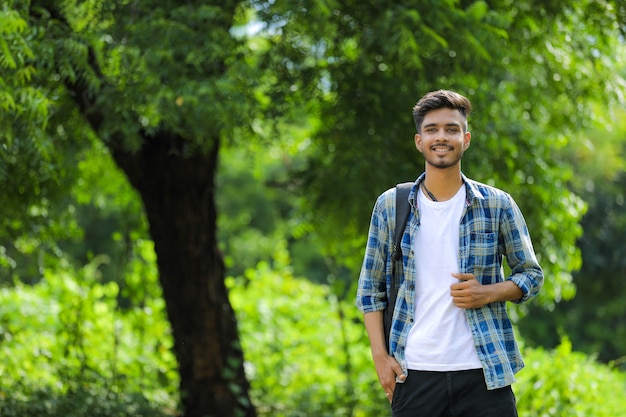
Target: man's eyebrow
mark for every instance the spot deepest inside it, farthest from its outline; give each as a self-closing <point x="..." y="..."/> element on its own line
<point x="437" y="124"/>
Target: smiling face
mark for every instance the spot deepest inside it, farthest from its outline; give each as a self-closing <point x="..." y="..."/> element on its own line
<point x="443" y="138"/>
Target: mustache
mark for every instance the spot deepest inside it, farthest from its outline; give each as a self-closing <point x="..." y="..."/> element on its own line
<point x="441" y="144"/>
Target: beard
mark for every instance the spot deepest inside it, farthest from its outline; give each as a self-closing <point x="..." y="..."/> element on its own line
<point x="444" y="163"/>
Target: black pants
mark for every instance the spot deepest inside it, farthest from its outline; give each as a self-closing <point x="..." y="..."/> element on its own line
<point x="451" y="394"/>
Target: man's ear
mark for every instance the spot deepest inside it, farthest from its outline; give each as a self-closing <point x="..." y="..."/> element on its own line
<point x="467" y="139"/>
<point x="418" y="142"/>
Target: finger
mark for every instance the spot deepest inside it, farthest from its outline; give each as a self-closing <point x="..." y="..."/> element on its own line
<point x="401" y="376"/>
<point x="389" y="391"/>
<point x="397" y="369"/>
<point x="461" y="287"/>
<point x="463" y="276"/>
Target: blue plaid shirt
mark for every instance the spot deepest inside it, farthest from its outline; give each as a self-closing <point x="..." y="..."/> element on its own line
<point x="492" y="227"/>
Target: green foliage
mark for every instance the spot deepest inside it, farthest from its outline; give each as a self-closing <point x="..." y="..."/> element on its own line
<point x="66" y="338"/>
<point x="85" y="402"/>
<point x="31" y="165"/>
<point x="69" y="350"/>
<point x="254" y="223"/>
<point x="193" y="82"/>
<point x="109" y="213"/>
<point x="40" y="141"/>
<point x="95" y="213"/>
<point x="24" y="107"/>
<point x="594" y="319"/>
<point x="306" y="351"/>
<point x="261" y="206"/>
<point x="569" y="384"/>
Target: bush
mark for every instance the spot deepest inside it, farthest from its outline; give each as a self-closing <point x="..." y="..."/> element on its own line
<point x="562" y="383"/>
<point x="305" y="350"/>
<point x="69" y="350"/>
<point x="90" y="402"/>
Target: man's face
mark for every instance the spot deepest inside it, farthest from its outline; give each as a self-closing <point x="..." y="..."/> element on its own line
<point x="443" y="139"/>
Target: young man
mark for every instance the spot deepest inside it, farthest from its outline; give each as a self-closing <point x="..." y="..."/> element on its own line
<point x="451" y="349"/>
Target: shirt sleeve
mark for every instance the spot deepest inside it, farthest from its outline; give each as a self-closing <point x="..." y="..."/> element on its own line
<point x="518" y="249"/>
<point x="372" y="285"/>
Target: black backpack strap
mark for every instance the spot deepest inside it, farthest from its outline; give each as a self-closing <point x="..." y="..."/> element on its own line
<point x="402" y="215"/>
<point x="403" y="209"/>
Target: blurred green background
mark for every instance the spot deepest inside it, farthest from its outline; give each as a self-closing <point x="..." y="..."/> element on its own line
<point x="309" y="105"/>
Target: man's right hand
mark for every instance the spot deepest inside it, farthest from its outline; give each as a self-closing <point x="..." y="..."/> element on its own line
<point x="388" y="369"/>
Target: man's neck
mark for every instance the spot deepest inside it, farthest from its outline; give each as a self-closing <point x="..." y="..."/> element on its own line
<point x="443" y="184"/>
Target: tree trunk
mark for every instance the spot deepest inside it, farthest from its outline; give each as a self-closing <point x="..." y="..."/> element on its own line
<point x="178" y="194"/>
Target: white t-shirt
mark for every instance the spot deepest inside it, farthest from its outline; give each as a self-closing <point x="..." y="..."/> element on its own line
<point x="440" y="339"/>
